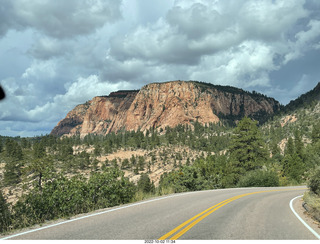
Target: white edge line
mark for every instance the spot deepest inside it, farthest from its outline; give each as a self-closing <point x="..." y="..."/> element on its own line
<point x="115" y="209"/>
<point x="88" y="216"/>
<point x="103" y="212"/>
<point x="302" y="221"/>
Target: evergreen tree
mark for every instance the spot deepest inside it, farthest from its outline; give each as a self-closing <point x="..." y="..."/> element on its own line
<point x="247" y="149"/>
<point x="298" y="145"/>
<point x="12" y="169"/>
<point x="289" y="150"/>
<point x="41" y="164"/>
<point x="141" y="163"/>
<point x="125" y="164"/>
<point x="145" y="184"/>
<point x="293" y="167"/>
<point x="294" y="162"/>
<point x="315" y="135"/>
<point x="97" y="150"/>
<point x="39" y="150"/>
<point x="13" y="150"/>
<point x="5" y="215"/>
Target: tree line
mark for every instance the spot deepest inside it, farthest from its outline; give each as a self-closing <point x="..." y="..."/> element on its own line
<point x="241" y="156"/>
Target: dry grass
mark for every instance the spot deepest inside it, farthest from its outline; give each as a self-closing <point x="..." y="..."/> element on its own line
<point x="313" y="202"/>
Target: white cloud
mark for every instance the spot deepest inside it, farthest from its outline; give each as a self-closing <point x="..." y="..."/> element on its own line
<point x="59" y="18"/>
<point x="74" y="50"/>
<point x="222" y="41"/>
<point x="46" y="48"/>
<point x="304" y="41"/>
<point x="40" y="70"/>
<point x="77" y="92"/>
<point x="270" y="20"/>
<point x="41" y="118"/>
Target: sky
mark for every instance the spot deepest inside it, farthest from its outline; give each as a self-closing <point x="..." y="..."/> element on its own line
<point x="57" y="54"/>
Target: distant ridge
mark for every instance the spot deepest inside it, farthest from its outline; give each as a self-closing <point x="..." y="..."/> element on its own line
<point x="158" y="105"/>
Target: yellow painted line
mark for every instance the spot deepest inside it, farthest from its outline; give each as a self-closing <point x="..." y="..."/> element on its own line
<point x="188" y="221"/>
<point x="197" y="218"/>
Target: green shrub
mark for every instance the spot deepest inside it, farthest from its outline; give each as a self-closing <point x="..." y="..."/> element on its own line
<point x="185" y="179"/>
<point x="314" y="182"/>
<point x="63" y="197"/>
<point x="259" y="178"/>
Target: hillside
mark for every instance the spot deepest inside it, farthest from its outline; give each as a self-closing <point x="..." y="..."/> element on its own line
<point x="40" y="175"/>
<point x="168" y="104"/>
<point x="301" y="114"/>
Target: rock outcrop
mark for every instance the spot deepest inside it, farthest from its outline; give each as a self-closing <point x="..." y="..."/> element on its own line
<point x="159" y="105"/>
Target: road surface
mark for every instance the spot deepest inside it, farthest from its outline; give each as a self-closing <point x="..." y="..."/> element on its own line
<point x="227" y="214"/>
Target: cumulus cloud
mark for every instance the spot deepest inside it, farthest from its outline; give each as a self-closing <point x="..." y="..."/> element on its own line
<point x="26" y="109"/>
<point x="304" y="41"/>
<point x="222" y="42"/>
<point x="77" y="49"/>
<point x="46" y="48"/>
<point x="59" y="18"/>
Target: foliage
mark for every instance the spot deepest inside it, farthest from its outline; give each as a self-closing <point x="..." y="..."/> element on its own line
<point x="63" y="197"/>
<point x="313" y="202"/>
<point x="145" y="185"/>
<point x="314" y="182"/>
<point x="13" y="149"/>
<point x="109" y="189"/>
<point x="5" y="215"/>
<point x="247" y="149"/>
<point x="259" y="178"/>
<point x="185" y="179"/>
<point x="315" y="136"/>
<point x="245" y="163"/>
<point x="304" y="100"/>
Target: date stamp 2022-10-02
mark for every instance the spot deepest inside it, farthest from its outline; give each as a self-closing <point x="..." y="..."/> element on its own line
<point x="159" y="241"/>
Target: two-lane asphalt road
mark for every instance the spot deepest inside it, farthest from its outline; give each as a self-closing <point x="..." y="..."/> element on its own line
<point x="246" y="213"/>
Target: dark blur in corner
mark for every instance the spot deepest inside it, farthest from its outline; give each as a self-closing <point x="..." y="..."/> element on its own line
<point x="2" y="94"/>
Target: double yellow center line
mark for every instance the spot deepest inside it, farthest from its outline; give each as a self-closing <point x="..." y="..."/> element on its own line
<point x="197" y="218"/>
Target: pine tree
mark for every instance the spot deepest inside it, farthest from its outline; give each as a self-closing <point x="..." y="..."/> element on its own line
<point x="247" y="149"/>
<point x="298" y="145"/>
<point x="5" y="215"/>
<point x="289" y="150"/>
<point x="13" y="150"/>
<point x="294" y="158"/>
<point x="145" y="184"/>
<point x="1" y="146"/>
<point x="315" y="135"/>
<point x="41" y="165"/>
<point x="39" y="150"/>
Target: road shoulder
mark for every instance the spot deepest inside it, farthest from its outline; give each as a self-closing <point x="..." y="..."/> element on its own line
<point x="305" y="216"/>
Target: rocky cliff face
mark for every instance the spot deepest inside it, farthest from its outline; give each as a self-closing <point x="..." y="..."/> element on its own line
<point x="159" y="105"/>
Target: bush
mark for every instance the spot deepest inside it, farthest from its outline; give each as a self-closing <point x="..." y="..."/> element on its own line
<point x="63" y="197"/>
<point x="185" y="179"/>
<point x="314" y="182"/>
<point x="58" y="198"/>
<point x="259" y="178"/>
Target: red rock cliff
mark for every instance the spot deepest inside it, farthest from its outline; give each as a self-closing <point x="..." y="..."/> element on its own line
<point x="159" y="105"/>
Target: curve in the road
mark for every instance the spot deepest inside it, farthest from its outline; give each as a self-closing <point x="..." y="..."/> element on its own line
<point x="197" y="218"/>
<point x="301" y="220"/>
<point x="236" y="213"/>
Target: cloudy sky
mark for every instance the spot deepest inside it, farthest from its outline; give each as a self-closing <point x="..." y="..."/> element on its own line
<point x="57" y="54"/>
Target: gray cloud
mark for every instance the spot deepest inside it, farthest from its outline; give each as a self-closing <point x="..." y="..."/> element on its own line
<point x="59" y="18"/>
<point x="229" y="42"/>
<point x="61" y="53"/>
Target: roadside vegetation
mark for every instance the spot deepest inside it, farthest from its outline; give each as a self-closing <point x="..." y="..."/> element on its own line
<point x="312" y="197"/>
<point x="62" y="177"/>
